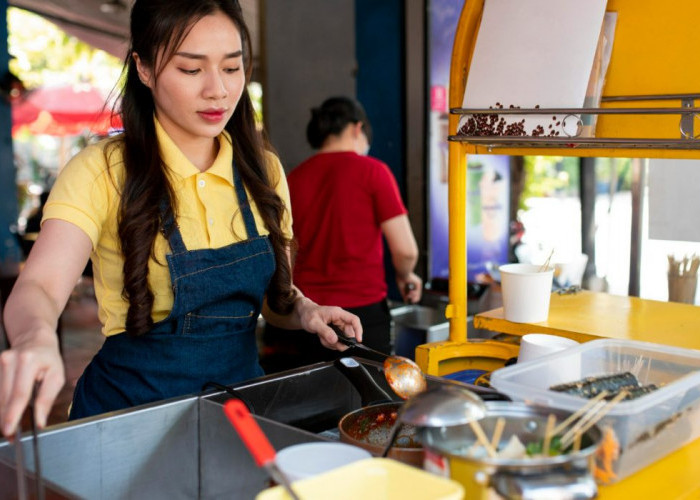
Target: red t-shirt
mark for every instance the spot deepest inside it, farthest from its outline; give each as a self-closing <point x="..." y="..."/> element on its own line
<point x="339" y="200"/>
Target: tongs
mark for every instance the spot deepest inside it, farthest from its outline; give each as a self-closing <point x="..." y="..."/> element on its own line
<point x="19" y="456"/>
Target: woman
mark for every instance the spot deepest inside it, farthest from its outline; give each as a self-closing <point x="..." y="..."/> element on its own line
<point x="343" y="201"/>
<point x="184" y="218"/>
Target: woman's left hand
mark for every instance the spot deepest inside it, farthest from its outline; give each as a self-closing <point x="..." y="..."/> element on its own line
<point x="315" y="319"/>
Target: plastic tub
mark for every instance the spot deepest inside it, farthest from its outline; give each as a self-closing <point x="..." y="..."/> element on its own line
<point x="648" y="427"/>
<point x="372" y="479"/>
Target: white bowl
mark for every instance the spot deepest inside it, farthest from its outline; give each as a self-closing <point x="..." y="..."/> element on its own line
<point x="535" y="345"/>
<point x="304" y="460"/>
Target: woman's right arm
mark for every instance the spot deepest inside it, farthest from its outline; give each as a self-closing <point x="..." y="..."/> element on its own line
<point x="404" y="256"/>
<point x="31" y="314"/>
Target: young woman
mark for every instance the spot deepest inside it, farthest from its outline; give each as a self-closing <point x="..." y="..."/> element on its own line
<point x="185" y="218"/>
<point x="343" y="203"/>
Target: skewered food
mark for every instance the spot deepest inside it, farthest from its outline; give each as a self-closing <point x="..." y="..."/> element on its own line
<point x="613" y="384"/>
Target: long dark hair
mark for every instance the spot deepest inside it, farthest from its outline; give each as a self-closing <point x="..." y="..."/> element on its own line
<point x="332" y="117"/>
<point x="158" y="27"/>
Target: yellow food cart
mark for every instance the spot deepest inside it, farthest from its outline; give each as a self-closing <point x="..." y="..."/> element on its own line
<point x="650" y="92"/>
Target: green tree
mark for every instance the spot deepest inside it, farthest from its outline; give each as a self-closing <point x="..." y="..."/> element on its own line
<point x="44" y="54"/>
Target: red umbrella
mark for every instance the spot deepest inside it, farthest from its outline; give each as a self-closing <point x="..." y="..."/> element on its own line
<point x="63" y="110"/>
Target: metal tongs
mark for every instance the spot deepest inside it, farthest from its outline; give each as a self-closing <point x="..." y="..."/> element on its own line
<point x="19" y="456"/>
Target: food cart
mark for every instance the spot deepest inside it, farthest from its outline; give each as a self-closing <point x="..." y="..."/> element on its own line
<point x="647" y="110"/>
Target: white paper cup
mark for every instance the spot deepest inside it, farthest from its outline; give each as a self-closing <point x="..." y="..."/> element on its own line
<point x="526" y="292"/>
<point x="536" y="345"/>
<point x="309" y="459"/>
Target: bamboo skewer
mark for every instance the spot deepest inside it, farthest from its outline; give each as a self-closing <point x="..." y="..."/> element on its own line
<point x="497" y="432"/>
<point x="577" y="441"/>
<point x="481" y="437"/>
<point x="560" y="428"/>
<point x="687" y="266"/>
<point x="546" y="262"/>
<point x="551" y="421"/>
<point x="597" y="415"/>
<point x="582" y="421"/>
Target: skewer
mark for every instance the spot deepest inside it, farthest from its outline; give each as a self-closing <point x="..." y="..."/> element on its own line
<point x="481" y="437"/>
<point x="596" y="417"/>
<point x="559" y="428"/>
<point x="583" y="421"/>
<point x="497" y="432"/>
<point x="546" y="262"/>
<point x="551" y="420"/>
<point x="577" y="441"/>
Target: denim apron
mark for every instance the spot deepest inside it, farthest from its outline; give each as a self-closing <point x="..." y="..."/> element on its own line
<point x="209" y="334"/>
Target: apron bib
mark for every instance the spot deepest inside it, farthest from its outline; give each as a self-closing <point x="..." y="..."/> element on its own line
<point x="209" y="334"/>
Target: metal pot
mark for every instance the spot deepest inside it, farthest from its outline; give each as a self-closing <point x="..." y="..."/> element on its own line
<point x="370" y="428"/>
<point x="563" y="477"/>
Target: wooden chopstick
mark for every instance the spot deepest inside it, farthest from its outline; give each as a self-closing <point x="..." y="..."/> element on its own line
<point x="546" y="262"/>
<point x="497" y="432"/>
<point x="577" y="441"/>
<point x="566" y="441"/>
<point x="583" y="421"/>
<point x="481" y="437"/>
<point x="551" y="420"/>
<point x="560" y="428"/>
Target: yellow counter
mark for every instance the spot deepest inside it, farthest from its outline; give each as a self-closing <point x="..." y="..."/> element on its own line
<point x="586" y="316"/>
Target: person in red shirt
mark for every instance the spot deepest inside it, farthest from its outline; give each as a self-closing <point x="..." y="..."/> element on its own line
<point x="343" y="202"/>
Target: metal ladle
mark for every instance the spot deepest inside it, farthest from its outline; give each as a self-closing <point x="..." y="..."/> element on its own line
<point x="403" y="375"/>
<point x="442" y="406"/>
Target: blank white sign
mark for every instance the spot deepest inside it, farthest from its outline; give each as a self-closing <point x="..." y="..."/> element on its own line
<point x="674" y="200"/>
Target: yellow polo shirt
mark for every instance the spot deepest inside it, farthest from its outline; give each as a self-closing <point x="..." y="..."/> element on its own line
<point x="86" y="194"/>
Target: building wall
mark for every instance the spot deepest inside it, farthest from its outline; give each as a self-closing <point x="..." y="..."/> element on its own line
<point x="308" y="54"/>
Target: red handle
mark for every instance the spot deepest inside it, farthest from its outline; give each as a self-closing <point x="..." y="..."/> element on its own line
<point x="250" y="432"/>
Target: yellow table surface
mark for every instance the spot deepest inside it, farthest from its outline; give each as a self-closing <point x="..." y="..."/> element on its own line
<point x="588" y="315"/>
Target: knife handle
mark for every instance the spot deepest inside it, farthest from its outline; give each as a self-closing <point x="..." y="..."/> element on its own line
<point x="250" y="432"/>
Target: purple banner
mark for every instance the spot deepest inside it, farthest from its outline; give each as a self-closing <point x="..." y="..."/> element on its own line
<point x="488" y="177"/>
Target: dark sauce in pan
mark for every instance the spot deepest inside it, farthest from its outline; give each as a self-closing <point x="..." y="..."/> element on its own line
<point x="373" y="426"/>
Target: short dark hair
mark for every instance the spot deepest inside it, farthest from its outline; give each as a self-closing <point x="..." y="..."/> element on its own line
<point x="332" y="117"/>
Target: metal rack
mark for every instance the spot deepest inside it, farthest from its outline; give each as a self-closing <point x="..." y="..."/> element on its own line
<point x="687" y="140"/>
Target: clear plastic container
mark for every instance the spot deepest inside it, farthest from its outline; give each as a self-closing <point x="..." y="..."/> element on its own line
<point x="648" y="427"/>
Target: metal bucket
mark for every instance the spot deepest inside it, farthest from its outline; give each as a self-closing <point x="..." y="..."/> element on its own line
<point x="563" y="477"/>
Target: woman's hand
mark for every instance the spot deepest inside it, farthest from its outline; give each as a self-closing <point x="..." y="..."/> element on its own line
<point x="315" y="319"/>
<point x="411" y="288"/>
<point x="20" y="368"/>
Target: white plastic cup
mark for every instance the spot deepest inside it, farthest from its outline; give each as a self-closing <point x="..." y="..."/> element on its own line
<point x="526" y="292"/>
<point x="305" y="460"/>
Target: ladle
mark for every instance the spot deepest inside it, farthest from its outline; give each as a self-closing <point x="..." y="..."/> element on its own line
<point x="442" y="406"/>
<point x="403" y="375"/>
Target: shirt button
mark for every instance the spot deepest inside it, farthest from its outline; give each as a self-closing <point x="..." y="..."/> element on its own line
<point x="201" y="183"/>
<point x="211" y="222"/>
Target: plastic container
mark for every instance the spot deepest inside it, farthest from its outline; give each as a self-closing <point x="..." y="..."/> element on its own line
<point x="372" y="479"/>
<point x="648" y="427"/>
